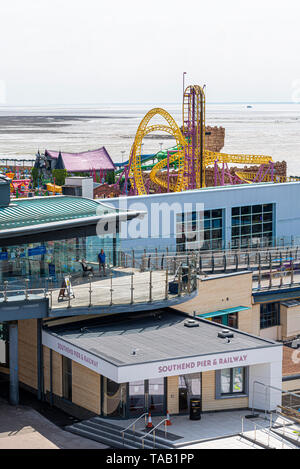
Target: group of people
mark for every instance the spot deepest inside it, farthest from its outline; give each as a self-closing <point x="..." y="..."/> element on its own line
<point x="101" y="261"/>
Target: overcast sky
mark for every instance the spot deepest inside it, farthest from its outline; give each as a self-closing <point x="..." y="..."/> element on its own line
<point x="96" y="51"/>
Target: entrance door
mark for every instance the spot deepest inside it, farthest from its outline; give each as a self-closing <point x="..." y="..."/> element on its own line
<point x="189" y="386"/>
<point x="147" y="396"/>
<point x="156" y="396"/>
<point x="137" y="398"/>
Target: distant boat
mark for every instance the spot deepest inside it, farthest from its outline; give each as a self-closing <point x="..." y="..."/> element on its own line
<point x="249" y="107"/>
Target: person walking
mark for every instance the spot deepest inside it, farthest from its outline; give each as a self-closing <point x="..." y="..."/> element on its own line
<point x="101" y="259"/>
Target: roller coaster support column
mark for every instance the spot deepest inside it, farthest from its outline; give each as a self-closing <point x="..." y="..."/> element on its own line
<point x="272" y="171"/>
<point x="216" y="173"/>
<point x="168" y="171"/>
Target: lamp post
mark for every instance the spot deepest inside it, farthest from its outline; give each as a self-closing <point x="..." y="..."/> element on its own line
<point x="183" y="80"/>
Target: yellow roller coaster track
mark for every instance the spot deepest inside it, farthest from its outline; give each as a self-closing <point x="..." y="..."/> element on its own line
<point x="203" y="159"/>
<point x="144" y="130"/>
<point x="249" y="177"/>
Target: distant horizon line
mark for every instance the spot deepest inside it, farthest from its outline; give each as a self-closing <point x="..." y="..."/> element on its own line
<point x="142" y="103"/>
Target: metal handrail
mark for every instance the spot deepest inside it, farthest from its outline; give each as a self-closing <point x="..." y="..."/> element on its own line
<point x="268" y="387"/>
<point x="268" y="431"/>
<point x="153" y="431"/>
<point x="90" y="287"/>
<point x="133" y="425"/>
<point x="289" y="421"/>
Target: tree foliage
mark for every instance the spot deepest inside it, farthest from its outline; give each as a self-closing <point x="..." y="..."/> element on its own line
<point x="60" y="176"/>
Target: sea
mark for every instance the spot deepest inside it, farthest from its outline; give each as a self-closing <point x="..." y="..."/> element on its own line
<point x="271" y="129"/>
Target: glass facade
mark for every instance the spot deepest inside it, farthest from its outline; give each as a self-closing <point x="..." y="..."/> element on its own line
<point x="252" y="226"/>
<point x="114" y="399"/>
<point x="146" y="396"/>
<point x="67" y="378"/>
<point x="40" y="261"/>
<point x="269" y="315"/>
<point x="134" y="399"/>
<point x="137" y="397"/>
<point x="200" y="230"/>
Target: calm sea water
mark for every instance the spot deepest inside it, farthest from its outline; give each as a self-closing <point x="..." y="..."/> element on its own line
<point x="269" y="129"/>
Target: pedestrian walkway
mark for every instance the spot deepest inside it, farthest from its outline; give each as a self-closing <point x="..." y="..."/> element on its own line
<point x="24" y="428"/>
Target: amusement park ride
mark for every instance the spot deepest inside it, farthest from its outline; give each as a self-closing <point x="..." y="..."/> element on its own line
<point x="183" y="167"/>
<point x="186" y="166"/>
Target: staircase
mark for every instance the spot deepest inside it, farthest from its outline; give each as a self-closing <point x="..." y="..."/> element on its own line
<point x="280" y="433"/>
<point x="109" y="434"/>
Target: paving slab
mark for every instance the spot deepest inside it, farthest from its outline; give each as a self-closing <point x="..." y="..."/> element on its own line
<point x="24" y="428"/>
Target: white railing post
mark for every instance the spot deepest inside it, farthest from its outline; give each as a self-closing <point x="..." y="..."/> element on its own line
<point x="69" y="292"/>
<point x="167" y="284"/>
<point x="26" y="288"/>
<point x="111" y="289"/>
<point x="90" y="290"/>
<point x="150" y="287"/>
<point x="131" y="290"/>
<point x="5" y="290"/>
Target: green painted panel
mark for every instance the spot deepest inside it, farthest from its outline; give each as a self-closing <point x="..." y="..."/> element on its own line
<point x="37" y="211"/>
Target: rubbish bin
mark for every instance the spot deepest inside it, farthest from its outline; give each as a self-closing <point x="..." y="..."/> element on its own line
<point x="195" y="409"/>
<point x="173" y="288"/>
<point x="185" y="274"/>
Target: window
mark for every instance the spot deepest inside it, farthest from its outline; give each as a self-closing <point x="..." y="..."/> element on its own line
<point x="231" y="382"/>
<point x="269" y="315"/>
<point x="114" y="398"/>
<point x="67" y="378"/>
<point x="194" y="232"/>
<point x="232" y="320"/>
<point x="252" y="226"/>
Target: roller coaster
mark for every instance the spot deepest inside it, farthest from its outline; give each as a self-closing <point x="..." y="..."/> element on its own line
<point x="183" y="166"/>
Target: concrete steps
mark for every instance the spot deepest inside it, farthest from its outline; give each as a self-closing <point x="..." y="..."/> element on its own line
<point x="98" y="429"/>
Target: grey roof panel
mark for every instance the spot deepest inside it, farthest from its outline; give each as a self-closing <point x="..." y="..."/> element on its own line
<point x="154" y="339"/>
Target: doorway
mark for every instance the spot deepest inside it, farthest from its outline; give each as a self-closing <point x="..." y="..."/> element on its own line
<point x="147" y="396"/>
<point x="189" y="386"/>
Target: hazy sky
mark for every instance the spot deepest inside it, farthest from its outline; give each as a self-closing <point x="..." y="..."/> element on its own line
<point x="96" y="51"/>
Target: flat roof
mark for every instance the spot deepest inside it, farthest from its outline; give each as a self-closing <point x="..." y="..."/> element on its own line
<point x="39" y="213"/>
<point x="156" y="336"/>
<point x="38" y="210"/>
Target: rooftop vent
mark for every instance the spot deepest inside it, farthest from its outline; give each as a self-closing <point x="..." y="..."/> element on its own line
<point x="134" y="351"/>
<point x="296" y="343"/>
<point x="191" y="323"/>
<point x="226" y="334"/>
